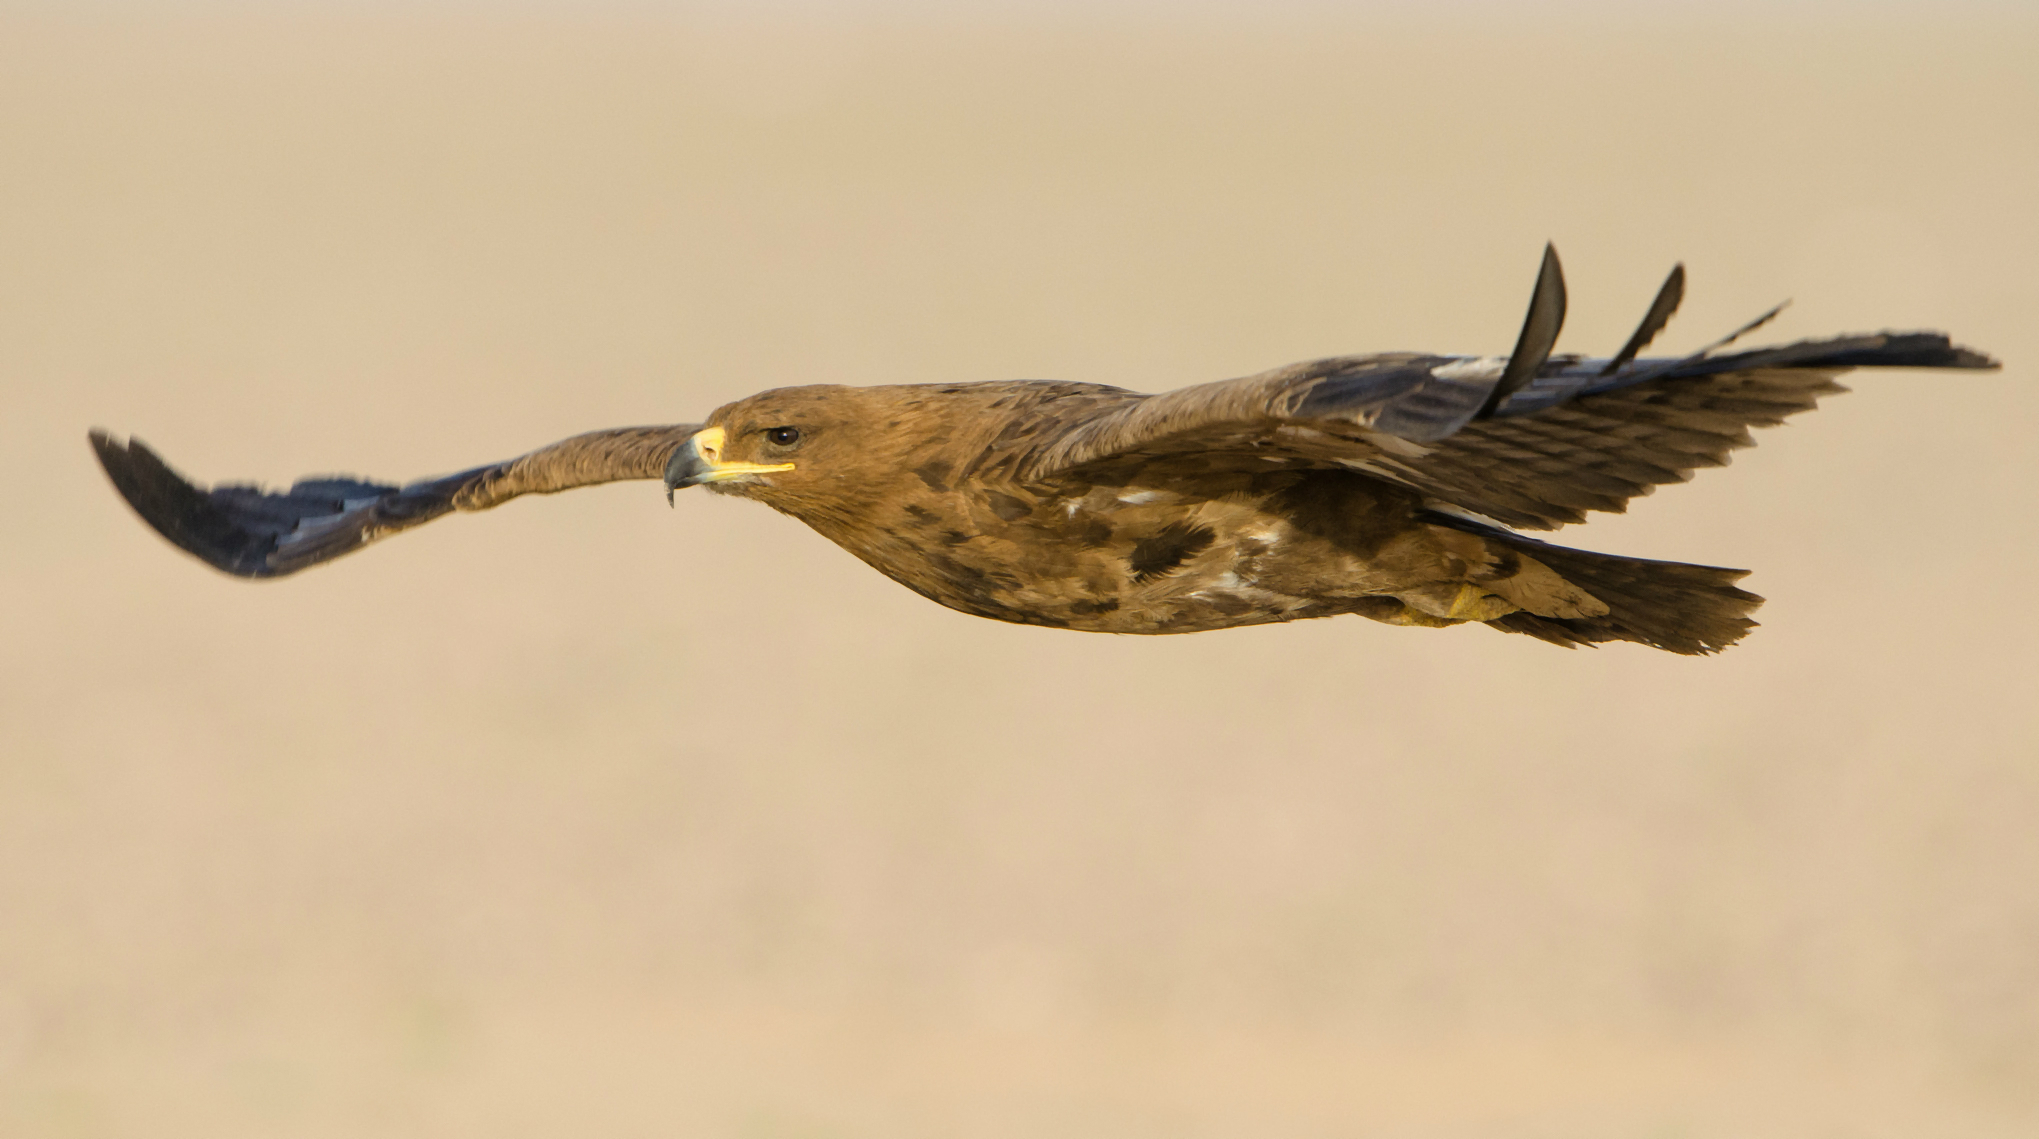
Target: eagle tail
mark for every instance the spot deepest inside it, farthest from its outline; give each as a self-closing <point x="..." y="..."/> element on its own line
<point x="1675" y="606"/>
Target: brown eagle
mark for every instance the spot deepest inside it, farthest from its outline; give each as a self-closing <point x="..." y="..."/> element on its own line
<point x="1389" y="485"/>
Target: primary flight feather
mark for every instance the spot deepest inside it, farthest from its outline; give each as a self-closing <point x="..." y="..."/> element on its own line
<point x="1389" y="485"/>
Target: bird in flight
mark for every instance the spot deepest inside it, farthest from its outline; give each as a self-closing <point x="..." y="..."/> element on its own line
<point x="1392" y="486"/>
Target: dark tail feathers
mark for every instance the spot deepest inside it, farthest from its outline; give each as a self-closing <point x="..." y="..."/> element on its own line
<point x="1674" y="606"/>
<point x="1670" y="605"/>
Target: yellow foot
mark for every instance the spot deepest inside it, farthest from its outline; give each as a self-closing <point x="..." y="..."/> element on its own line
<point x="1409" y="615"/>
<point x="1436" y="606"/>
<point x="1475" y="604"/>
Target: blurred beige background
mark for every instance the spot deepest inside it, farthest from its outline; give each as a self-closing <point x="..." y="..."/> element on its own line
<point x="590" y="817"/>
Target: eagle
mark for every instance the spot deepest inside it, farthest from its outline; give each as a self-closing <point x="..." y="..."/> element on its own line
<point x="1395" y="486"/>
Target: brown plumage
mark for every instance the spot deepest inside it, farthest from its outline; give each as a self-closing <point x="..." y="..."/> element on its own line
<point x="1379" y="485"/>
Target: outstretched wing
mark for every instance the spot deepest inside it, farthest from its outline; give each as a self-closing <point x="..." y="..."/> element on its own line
<point x="249" y="532"/>
<point x="1527" y="440"/>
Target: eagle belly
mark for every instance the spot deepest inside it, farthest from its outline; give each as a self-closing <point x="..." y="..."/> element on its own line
<point x="1171" y="554"/>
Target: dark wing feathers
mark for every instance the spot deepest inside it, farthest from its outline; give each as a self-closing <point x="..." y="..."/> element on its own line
<point x="1669" y="296"/>
<point x="250" y="532"/>
<point x="1576" y="438"/>
<point x="1530" y="441"/>
<point x="1878" y="350"/>
<point x="1547" y="469"/>
<point x="1539" y="332"/>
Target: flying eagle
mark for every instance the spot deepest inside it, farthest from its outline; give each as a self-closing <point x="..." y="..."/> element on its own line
<point x="1390" y="486"/>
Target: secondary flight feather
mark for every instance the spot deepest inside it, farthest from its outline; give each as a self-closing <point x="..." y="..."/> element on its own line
<point x="1390" y="486"/>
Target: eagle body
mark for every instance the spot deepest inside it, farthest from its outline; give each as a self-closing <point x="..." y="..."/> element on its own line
<point x="1395" y="486"/>
<point x="1162" y="544"/>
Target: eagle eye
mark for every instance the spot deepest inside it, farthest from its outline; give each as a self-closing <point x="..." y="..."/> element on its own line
<point x="782" y="436"/>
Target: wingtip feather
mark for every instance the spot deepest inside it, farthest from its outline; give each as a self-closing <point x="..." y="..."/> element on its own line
<point x="173" y="506"/>
<point x="1540" y="328"/>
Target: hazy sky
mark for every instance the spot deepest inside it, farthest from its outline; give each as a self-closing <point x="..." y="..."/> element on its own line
<point x="594" y="816"/>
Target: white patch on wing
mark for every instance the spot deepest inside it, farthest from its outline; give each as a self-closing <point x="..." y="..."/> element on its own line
<point x="1373" y="468"/>
<point x="1396" y="445"/>
<point x="319" y="525"/>
<point x="1136" y="497"/>
<point x="1442" y="507"/>
<point x="310" y="531"/>
<point x="1472" y="368"/>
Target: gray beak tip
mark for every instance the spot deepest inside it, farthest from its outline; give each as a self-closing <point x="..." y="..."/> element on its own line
<point x="682" y="470"/>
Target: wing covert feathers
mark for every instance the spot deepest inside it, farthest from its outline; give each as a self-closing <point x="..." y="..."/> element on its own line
<point x="249" y="532"/>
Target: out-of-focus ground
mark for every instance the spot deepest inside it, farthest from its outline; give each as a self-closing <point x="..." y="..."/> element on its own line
<point x="590" y="817"/>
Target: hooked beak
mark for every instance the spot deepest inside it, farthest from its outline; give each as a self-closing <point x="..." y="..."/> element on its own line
<point x="699" y="460"/>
